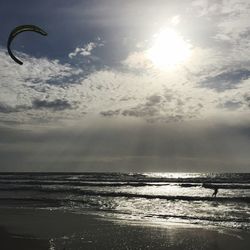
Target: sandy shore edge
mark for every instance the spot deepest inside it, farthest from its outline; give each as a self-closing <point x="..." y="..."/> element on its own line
<point x="44" y="229"/>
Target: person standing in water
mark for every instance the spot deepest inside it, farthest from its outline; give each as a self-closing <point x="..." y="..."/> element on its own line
<point x="215" y="192"/>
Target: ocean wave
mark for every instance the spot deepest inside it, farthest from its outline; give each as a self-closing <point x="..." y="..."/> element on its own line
<point x="130" y="177"/>
<point x="216" y="185"/>
<point x="204" y="218"/>
<point x="122" y="184"/>
<point x="83" y="184"/>
<point x="130" y="195"/>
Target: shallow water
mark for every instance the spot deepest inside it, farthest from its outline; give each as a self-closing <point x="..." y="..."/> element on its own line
<point x="170" y="197"/>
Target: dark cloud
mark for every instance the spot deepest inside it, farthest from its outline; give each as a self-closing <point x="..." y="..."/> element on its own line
<point x="247" y="99"/>
<point x="174" y="108"/>
<point x="153" y="100"/>
<point x="65" y="81"/>
<point x="231" y="105"/>
<point x="152" y="114"/>
<point x="141" y="111"/>
<point x="149" y="109"/>
<point x="226" y="80"/>
<point x="4" y="108"/>
<point x="242" y="101"/>
<point x="58" y="80"/>
<point x="110" y="113"/>
<point x="56" y="105"/>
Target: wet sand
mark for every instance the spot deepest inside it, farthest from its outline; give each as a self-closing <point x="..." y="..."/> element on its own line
<point x="42" y="229"/>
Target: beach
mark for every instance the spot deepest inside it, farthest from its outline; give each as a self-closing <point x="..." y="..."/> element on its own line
<point x="71" y="211"/>
<point x="44" y="229"/>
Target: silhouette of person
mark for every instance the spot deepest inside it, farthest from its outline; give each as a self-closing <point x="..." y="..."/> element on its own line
<point x="215" y="192"/>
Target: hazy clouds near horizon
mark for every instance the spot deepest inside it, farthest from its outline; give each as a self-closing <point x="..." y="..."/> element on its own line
<point x="102" y="145"/>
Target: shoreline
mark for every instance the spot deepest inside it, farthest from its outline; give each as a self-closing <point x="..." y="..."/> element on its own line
<point x="55" y="229"/>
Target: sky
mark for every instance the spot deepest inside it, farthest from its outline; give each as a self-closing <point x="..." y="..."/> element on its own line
<point x="126" y="86"/>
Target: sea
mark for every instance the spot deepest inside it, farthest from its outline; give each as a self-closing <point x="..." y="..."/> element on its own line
<point x="152" y="197"/>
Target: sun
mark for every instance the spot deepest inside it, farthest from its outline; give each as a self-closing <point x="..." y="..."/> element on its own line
<point x="169" y="49"/>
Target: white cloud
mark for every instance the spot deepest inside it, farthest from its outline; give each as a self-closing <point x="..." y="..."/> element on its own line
<point x="151" y="95"/>
<point x="175" y="20"/>
<point x="214" y="82"/>
<point x="86" y="50"/>
<point x="137" y="60"/>
<point x="21" y="85"/>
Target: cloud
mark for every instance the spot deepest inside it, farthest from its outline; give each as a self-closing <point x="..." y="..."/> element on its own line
<point x="226" y="80"/>
<point x="137" y="60"/>
<point x="56" y="105"/>
<point x="185" y="93"/>
<point x="35" y="80"/>
<point x="231" y="105"/>
<point x="213" y="81"/>
<point x="148" y="110"/>
<point x="153" y="99"/>
<point x="247" y="99"/>
<point x="86" y="50"/>
<point x="175" y="20"/>
<point x="34" y="71"/>
<point x="9" y="109"/>
<point x="110" y="113"/>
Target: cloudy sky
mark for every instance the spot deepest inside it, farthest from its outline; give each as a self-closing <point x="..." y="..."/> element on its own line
<point x="126" y="86"/>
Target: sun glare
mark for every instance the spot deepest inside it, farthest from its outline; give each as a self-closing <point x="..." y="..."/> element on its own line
<point x="169" y="49"/>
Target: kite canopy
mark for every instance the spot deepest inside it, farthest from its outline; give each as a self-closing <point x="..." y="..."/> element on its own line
<point x="18" y="30"/>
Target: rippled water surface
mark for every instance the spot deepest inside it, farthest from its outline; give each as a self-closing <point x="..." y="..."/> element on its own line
<point x="170" y="197"/>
